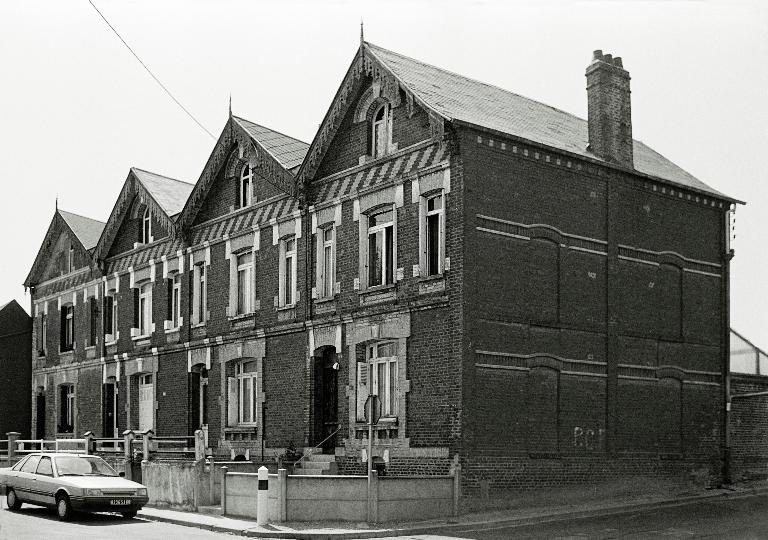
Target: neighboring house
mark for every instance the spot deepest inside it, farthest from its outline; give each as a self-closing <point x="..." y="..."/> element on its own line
<point x="15" y="369"/>
<point x="539" y="294"/>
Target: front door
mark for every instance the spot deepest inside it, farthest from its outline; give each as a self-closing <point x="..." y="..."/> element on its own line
<point x="146" y="402"/>
<point x="40" y="424"/>
<point x="108" y="411"/>
<point x="326" y="400"/>
<point x="198" y="401"/>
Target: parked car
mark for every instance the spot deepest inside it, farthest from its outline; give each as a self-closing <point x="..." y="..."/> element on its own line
<point x="71" y="482"/>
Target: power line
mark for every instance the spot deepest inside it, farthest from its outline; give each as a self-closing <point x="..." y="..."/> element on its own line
<point x="150" y="72"/>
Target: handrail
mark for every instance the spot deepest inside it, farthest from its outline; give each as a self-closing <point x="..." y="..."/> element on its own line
<point x="311" y="450"/>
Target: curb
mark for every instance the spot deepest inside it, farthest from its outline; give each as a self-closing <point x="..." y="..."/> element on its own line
<point x="474" y="525"/>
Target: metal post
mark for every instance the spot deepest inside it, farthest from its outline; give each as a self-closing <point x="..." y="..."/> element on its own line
<point x="282" y="491"/>
<point x="212" y="480"/>
<point x="262" y="497"/>
<point x="456" y="472"/>
<point x="224" y="470"/>
<point x="13" y="436"/>
<point x="127" y="438"/>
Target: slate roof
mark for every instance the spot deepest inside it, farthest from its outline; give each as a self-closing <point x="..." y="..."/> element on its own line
<point x="169" y="193"/>
<point x="288" y="151"/>
<point x="86" y="229"/>
<point x="460" y="98"/>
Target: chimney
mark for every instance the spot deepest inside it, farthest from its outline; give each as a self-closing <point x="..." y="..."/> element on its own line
<point x="609" y="110"/>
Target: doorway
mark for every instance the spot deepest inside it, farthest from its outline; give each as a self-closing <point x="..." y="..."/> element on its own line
<point x="40" y="414"/>
<point x="198" y="400"/>
<point x="326" y="394"/>
<point x="109" y="409"/>
<point x="146" y="402"/>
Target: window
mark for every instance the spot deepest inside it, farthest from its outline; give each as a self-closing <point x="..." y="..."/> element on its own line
<point x="175" y="301"/>
<point x="246" y="392"/>
<point x="326" y="264"/>
<point x="244" y="279"/>
<point x="433" y="235"/>
<point x="145" y="309"/>
<point x="287" y="282"/>
<point x="67" y="327"/>
<point x="66" y="408"/>
<point x="45" y="468"/>
<point x="71" y="258"/>
<point x="381" y="131"/>
<point x="30" y="466"/>
<point x="146" y="227"/>
<point x="382" y="361"/>
<point x="244" y="193"/>
<point x="381" y="248"/>
<point x="199" y="294"/>
<point x="110" y="318"/>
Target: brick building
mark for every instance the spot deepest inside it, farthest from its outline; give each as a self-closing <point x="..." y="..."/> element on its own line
<point x="540" y="294"/>
<point x="15" y="369"/>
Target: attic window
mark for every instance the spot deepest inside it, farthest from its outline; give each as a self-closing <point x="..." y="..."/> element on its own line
<point x="146" y="228"/>
<point x="381" y="131"/>
<point x="244" y="187"/>
<point x="71" y="258"/>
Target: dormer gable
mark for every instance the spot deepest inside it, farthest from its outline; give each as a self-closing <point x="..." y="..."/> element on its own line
<point x="249" y="163"/>
<point x="145" y="212"/>
<point x="67" y="247"/>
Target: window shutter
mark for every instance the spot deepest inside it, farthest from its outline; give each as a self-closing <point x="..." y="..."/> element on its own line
<point x="135" y="308"/>
<point x="362" y="388"/>
<point x="232" y="402"/>
<point x="108" y="314"/>
<point x="169" y="303"/>
<point x="62" y="408"/>
<point x="195" y="273"/>
<point x="40" y="321"/>
<point x="238" y="201"/>
<point x="62" y="327"/>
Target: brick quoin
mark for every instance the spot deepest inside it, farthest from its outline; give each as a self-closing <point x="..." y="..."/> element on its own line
<point x="575" y="336"/>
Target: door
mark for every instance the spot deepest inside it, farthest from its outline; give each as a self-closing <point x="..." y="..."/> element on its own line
<point x="198" y="400"/>
<point x="26" y="483"/>
<point x="146" y="402"/>
<point x="326" y="400"/>
<point x="46" y="485"/>
<point x="40" y="424"/>
<point x="109" y="411"/>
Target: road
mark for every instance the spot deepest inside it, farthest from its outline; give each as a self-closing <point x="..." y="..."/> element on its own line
<point x="35" y="523"/>
<point x="724" y="518"/>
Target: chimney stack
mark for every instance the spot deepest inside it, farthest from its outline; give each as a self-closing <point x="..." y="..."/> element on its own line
<point x="609" y="110"/>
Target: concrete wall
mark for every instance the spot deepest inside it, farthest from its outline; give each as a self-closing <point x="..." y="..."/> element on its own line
<point x="414" y="498"/>
<point x="181" y="485"/>
<point x="316" y="498"/>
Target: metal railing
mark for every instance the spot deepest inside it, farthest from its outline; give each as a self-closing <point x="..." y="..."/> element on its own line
<point x="311" y="451"/>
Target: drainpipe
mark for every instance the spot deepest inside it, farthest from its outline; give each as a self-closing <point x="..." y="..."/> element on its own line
<point x="726" y="328"/>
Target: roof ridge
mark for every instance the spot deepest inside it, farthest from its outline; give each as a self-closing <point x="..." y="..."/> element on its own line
<point x="162" y="176"/>
<point x="478" y="81"/>
<point x="80" y="216"/>
<point x="269" y="128"/>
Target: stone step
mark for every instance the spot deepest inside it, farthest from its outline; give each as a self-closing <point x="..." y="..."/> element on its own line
<point x="314" y="472"/>
<point x="320" y="457"/>
<point x="210" y="510"/>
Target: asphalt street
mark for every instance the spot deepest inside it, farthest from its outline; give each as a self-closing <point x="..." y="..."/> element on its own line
<point x="723" y="518"/>
<point x="35" y="523"/>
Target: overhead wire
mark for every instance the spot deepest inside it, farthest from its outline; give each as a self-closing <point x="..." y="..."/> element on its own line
<point x="158" y="81"/>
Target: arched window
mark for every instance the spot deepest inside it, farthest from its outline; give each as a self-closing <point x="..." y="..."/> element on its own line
<point x="146" y="228"/>
<point x="244" y="194"/>
<point x="381" y="131"/>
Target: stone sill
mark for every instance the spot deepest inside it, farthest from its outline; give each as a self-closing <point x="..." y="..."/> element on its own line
<point x="431" y="284"/>
<point x="173" y="330"/>
<point x="378" y="295"/>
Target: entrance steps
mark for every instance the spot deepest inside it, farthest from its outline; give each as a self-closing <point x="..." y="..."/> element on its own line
<point x="210" y="510"/>
<point x="315" y="464"/>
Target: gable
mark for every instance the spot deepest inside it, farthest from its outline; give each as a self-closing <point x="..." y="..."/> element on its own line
<point x="352" y="142"/>
<point x="129" y="233"/>
<point x="271" y="156"/>
<point x="13" y="319"/>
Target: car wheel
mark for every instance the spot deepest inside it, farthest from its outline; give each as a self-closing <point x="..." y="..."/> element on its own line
<point x="129" y="515"/>
<point x="63" y="508"/>
<point x="13" y="501"/>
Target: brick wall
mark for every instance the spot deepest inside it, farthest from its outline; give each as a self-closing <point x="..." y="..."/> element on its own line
<point x="172" y="395"/>
<point x="749" y="428"/>
<point x="15" y="371"/>
<point x="88" y="396"/>
<point x="287" y="401"/>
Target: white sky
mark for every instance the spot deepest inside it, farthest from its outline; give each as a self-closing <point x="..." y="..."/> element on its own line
<point x="77" y="110"/>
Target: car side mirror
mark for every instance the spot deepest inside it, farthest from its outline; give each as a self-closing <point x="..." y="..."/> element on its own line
<point x="121" y="474"/>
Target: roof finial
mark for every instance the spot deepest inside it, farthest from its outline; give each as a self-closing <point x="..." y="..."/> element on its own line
<point x="57" y="202"/>
<point x="230" y="105"/>
<point x="362" y="37"/>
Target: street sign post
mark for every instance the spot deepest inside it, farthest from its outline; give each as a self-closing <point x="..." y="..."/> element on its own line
<point x="372" y="414"/>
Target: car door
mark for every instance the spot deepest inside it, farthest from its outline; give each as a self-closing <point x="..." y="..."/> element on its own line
<point x="46" y="484"/>
<point x="11" y="476"/>
<point x="26" y="480"/>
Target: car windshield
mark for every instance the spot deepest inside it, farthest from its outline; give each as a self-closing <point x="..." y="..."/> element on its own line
<point x="83" y="466"/>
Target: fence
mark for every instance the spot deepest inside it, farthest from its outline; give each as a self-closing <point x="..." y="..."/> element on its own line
<point x="343" y="498"/>
<point x="13" y="448"/>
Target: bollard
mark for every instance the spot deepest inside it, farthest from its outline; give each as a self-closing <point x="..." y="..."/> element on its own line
<point x="262" y="497"/>
<point x="224" y="470"/>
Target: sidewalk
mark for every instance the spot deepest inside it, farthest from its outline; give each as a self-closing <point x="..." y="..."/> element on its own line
<point x="519" y="515"/>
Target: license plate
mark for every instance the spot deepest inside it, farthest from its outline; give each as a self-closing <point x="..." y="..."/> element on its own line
<point x="119" y="502"/>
